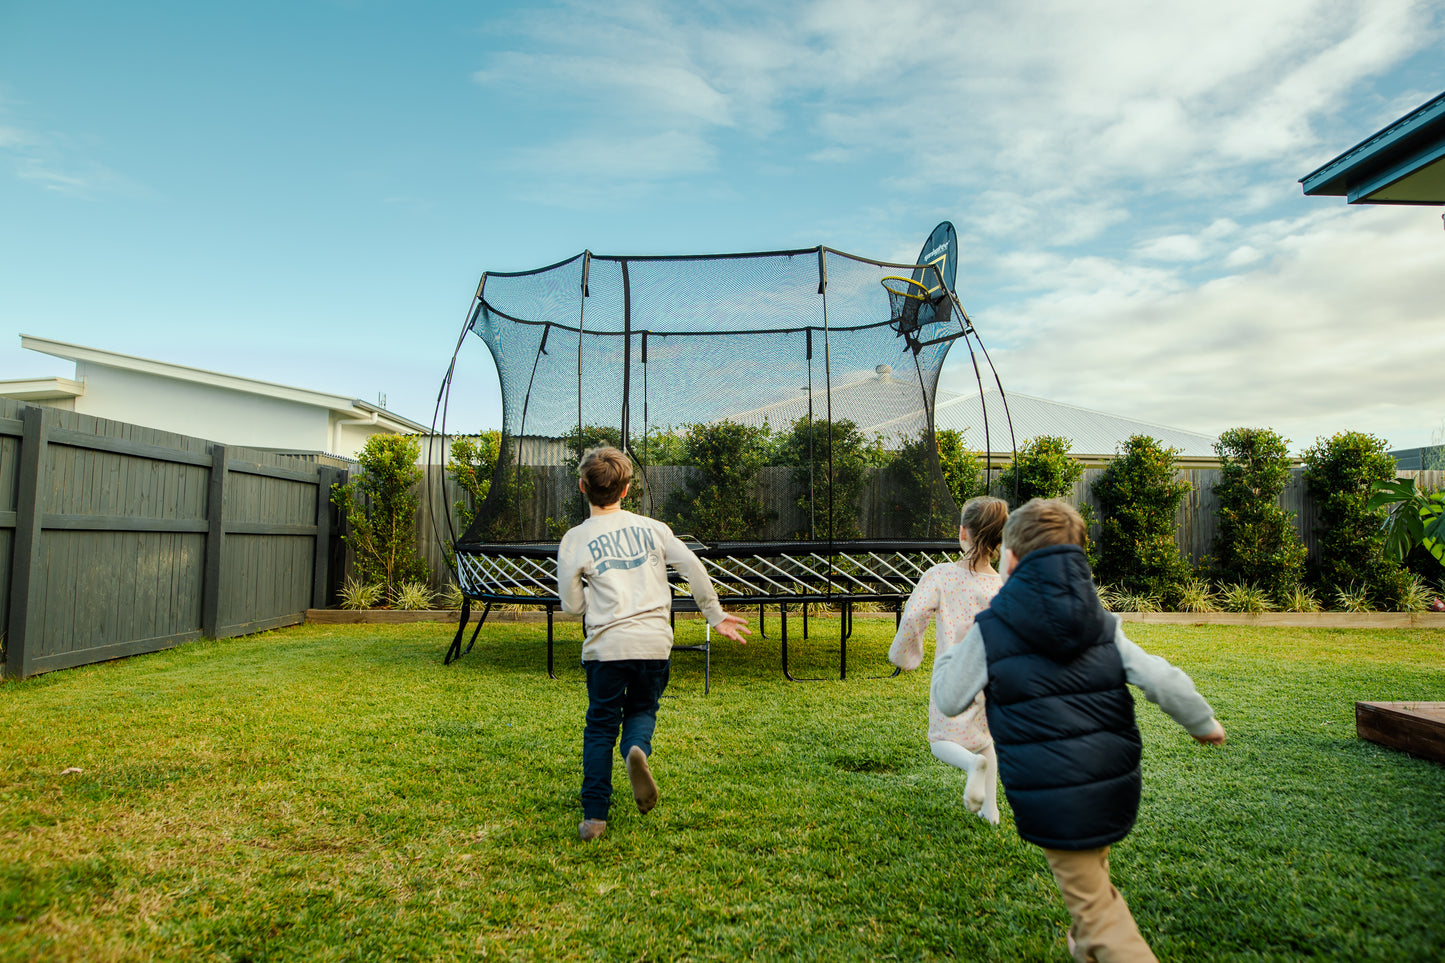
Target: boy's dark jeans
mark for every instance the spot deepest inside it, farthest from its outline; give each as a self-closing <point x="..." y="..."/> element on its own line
<point x="624" y="693"/>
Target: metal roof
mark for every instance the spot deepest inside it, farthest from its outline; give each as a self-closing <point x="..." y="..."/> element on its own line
<point x="1089" y="432"/>
<point x="886" y="404"/>
<point x="1402" y="164"/>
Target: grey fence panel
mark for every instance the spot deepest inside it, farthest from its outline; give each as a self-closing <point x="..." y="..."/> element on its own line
<point x="269" y="544"/>
<point x="10" y="431"/>
<point x="125" y="551"/>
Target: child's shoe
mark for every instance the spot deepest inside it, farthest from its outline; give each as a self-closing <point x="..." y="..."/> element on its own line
<point x="590" y="829"/>
<point x="644" y="787"/>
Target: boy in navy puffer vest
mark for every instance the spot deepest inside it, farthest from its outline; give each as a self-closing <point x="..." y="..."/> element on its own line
<point x="1054" y="666"/>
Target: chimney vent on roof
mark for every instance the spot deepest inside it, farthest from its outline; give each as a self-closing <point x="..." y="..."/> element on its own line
<point x="885" y="372"/>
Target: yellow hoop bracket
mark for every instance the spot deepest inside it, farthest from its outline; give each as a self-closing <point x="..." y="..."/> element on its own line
<point x="907" y="292"/>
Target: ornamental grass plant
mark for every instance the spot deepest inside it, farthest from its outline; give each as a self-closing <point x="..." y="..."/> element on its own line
<point x="334" y="793"/>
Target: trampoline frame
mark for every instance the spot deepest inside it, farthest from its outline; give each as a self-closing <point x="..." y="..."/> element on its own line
<point x="744" y="573"/>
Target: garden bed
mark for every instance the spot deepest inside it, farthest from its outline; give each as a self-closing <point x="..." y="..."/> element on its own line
<point x="1319" y="620"/>
<point x="1414" y="727"/>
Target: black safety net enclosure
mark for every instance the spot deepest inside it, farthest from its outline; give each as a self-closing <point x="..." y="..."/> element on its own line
<point x="777" y="407"/>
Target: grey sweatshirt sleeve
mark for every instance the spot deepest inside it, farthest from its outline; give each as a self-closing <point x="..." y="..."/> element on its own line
<point x="1165" y="685"/>
<point x="960" y="674"/>
<point x="680" y="557"/>
<point x="569" y="580"/>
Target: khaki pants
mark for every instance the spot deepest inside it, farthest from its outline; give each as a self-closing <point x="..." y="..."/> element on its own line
<point x="1103" y="930"/>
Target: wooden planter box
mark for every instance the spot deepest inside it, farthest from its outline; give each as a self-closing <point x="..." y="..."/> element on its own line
<point x="1414" y="727"/>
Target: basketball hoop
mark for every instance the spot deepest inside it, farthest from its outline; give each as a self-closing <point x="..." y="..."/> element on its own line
<point x="905" y="297"/>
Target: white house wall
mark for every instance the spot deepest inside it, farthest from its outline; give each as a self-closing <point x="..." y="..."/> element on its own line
<point x="205" y="411"/>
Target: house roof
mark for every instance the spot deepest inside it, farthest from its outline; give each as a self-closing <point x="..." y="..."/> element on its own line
<point x="1089" y="432"/>
<point x="350" y="407"/>
<point x="887" y="404"/>
<point x="41" y="389"/>
<point x="1402" y="164"/>
<point x="880" y="402"/>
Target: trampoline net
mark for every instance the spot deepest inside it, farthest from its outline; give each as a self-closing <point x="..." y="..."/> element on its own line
<point x="762" y="397"/>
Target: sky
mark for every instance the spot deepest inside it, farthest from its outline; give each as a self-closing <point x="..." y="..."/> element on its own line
<point x="308" y="191"/>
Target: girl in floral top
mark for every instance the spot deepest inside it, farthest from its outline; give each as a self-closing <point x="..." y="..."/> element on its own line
<point x="953" y="593"/>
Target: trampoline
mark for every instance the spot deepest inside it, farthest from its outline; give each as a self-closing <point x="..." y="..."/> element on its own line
<point x="777" y="406"/>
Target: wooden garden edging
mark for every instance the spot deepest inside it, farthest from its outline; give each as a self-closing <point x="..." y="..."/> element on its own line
<point x="1311" y="620"/>
<point x="1317" y="620"/>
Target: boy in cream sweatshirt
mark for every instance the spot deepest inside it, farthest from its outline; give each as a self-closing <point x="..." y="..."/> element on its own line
<point x="612" y="569"/>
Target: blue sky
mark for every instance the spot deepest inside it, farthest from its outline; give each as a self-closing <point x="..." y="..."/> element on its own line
<point x="307" y="192"/>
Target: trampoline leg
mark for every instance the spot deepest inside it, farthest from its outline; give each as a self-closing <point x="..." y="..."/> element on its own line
<point x="455" y="650"/>
<point x="805" y="620"/>
<point x="550" y="673"/>
<point x="762" y="622"/>
<point x="845" y="629"/>
<point x="783" y="609"/>
<point x="478" y="630"/>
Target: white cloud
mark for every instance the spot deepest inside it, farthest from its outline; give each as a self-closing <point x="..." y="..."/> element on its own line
<point x="1338" y="330"/>
<point x="1175" y="247"/>
<point x="619" y="157"/>
<point x="1079" y="103"/>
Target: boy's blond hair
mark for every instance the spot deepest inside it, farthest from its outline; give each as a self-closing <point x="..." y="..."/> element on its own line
<point x="1043" y="522"/>
<point x="606" y="473"/>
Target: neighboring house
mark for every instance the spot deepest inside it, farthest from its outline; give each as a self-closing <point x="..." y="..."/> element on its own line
<point x="1403" y="163"/>
<point x="884" y="404"/>
<point x="1094" y="436"/>
<point x="1420" y="459"/>
<point x="230" y="409"/>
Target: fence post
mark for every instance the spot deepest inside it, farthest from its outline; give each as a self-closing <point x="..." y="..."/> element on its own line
<point x="215" y="510"/>
<point x="321" y="568"/>
<point x="24" y="627"/>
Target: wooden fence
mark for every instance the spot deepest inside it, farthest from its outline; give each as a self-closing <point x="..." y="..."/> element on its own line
<point x="117" y="539"/>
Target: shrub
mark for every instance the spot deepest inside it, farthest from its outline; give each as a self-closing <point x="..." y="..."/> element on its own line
<point x="1415" y="519"/>
<point x="1417" y="595"/>
<point x="916" y="492"/>
<point x="961" y="466"/>
<point x="452" y="596"/>
<point x="473" y="462"/>
<point x="356" y="594"/>
<point x="1255" y="541"/>
<point x="478" y="466"/>
<point x="1044" y="469"/>
<point x="412" y="596"/>
<point x="831" y="462"/>
<point x="380" y="506"/>
<point x="662" y="446"/>
<point x="1241" y="597"/>
<point x="718" y="502"/>
<point x="1138" y="497"/>
<point x="1341" y="472"/>
<point x="1353" y="598"/>
<point x="1299" y="599"/>
<point x="1142" y="602"/>
<point x="1196" y="595"/>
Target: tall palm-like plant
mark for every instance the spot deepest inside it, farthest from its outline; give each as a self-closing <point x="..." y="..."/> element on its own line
<point x="1415" y="517"/>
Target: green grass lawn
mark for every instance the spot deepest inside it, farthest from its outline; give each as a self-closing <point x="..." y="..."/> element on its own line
<point x="335" y="793"/>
